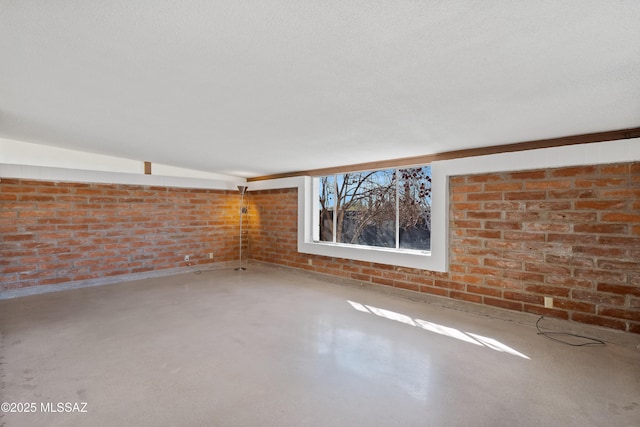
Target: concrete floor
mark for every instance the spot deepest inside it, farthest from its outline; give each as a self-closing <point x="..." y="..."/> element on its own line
<point x="267" y="347"/>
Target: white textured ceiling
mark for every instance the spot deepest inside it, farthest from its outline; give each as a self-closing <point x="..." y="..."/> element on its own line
<point x="252" y="88"/>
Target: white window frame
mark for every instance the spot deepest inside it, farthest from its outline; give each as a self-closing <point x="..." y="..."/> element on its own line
<point x="316" y="224"/>
<point x="435" y="260"/>
<point x="411" y="258"/>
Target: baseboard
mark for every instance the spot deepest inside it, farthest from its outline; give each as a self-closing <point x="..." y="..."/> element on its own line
<point x="37" y="290"/>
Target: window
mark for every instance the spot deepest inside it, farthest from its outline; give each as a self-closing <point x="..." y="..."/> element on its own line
<point x="388" y="208"/>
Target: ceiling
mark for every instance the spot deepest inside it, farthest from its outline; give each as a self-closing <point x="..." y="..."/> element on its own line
<point x="256" y="88"/>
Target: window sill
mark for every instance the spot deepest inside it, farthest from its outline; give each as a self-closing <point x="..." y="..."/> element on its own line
<point x="398" y="257"/>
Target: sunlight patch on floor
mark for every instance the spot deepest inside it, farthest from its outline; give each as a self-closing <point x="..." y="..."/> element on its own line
<point x="436" y="328"/>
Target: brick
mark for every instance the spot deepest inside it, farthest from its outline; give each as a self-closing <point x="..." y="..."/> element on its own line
<point x="465" y="297"/>
<point x="426" y="281"/>
<point x="524" y="236"/>
<point x="616" y="169"/>
<point x="526" y="195"/>
<point x="458" y="197"/>
<point x="408" y="286"/>
<point x="462" y="279"/>
<point x="601" y="204"/>
<point x="483" y="290"/>
<point x="546" y="268"/>
<point x="485" y="178"/>
<point x="434" y="291"/>
<point x="619" y="289"/>
<point x="17" y="189"/>
<point x="600" y="182"/>
<point x="484" y="196"/>
<point x="485" y="271"/>
<point x="524" y="276"/>
<point x="546" y="185"/>
<point x="569" y="260"/>
<point x="568" y="281"/>
<point x="600" y="228"/>
<point x="348" y="267"/>
<point x="9" y="181"/>
<point x="619" y="313"/>
<point x="547" y="290"/>
<point x="466" y="224"/>
<point x="502" y="225"/>
<point x="458" y="215"/>
<point x="572" y="216"/>
<point x="558" y="228"/>
<point x="503" y="283"/>
<point x="361" y="277"/>
<point x="18" y="237"/>
<point x="600" y="275"/>
<point x="457" y="268"/>
<point x="472" y="188"/>
<point x="483" y="252"/>
<point x="466" y="206"/>
<point x="510" y="305"/>
<point x="504" y="206"/>
<point x="503" y="263"/>
<point x="519" y="216"/>
<point x="573" y="194"/>
<point x="468" y="260"/>
<point x="620" y="193"/>
<point x="597" y="298"/>
<point x="503" y="186"/>
<point x="607" y="264"/>
<point x="619" y="241"/>
<point x="604" y="251"/>
<point x="450" y="285"/>
<point x="598" y="321"/>
<point x="519" y="296"/>
<point x="548" y="206"/>
<point x="621" y="217"/>
<point x="501" y="244"/>
<point x="549" y="312"/>
<point x="484" y="214"/>
<point x="484" y="234"/>
<point x="528" y="175"/>
<point x="457" y="180"/>
<point x="583" y="307"/>
<point x="574" y="171"/>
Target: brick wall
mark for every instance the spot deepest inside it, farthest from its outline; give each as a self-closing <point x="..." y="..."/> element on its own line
<point x="569" y="233"/>
<point x="55" y="232"/>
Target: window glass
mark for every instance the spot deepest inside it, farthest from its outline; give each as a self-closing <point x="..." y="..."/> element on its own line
<point x="366" y="215"/>
<point x="414" y="208"/>
<point x="388" y="208"/>
<point x="327" y="207"/>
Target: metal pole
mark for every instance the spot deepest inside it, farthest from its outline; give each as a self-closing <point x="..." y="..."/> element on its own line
<point x="242" y="190"/>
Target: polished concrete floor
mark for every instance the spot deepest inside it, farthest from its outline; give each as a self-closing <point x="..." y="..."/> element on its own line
<point x="267" y="347"/>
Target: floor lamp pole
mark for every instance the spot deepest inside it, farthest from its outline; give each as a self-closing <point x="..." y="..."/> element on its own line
<point x="242" y="189"/>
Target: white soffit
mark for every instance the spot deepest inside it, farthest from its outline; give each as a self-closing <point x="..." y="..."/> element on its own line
<point x="255" y="88"/>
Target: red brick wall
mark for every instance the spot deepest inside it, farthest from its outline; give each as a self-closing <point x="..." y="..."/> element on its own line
<point x="570" y="233"/>
<point x="55" y="232"/>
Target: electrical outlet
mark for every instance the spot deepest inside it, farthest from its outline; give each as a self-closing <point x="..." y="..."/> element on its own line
<point x="186" y="258"/>
<point x="548" y="302"/>
<point x="210" y="255"/>
<point x="310" y="261"/>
